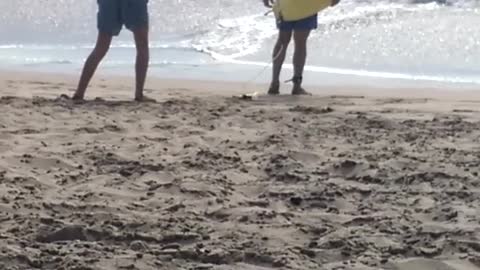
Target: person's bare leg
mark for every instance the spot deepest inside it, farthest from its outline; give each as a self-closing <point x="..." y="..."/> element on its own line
<point x="279" y="53"/>
<point x="143" y="58"/>
<point x="91" y="64"/>
<point x="299" y="58"/>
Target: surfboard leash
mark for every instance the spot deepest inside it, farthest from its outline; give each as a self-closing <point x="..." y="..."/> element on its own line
<point x="265" y="68"/>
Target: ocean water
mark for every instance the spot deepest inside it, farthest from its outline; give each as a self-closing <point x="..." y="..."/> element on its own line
<point x="408" y="40"/>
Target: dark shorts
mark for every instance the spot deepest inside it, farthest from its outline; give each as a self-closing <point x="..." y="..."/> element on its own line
<point x="114" y="14"/>
<point x="309" y="23"/>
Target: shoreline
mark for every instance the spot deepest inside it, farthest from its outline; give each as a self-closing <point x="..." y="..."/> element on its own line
<point x="67" y="82"/>
<point x="252" y="73"/>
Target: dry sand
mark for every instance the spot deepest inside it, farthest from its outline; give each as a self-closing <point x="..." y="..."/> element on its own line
<point x="364" y="179"/>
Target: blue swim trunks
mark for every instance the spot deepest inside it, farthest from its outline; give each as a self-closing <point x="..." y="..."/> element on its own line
<point x="309" y="23"/>
<point x="114" y="14"/>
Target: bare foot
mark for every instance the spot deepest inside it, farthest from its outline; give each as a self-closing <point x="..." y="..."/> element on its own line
<point x="299" y="91"/>
<point x="77" y="98"/>
<point x="274" y="88"/>
<point x="145" y="99"/>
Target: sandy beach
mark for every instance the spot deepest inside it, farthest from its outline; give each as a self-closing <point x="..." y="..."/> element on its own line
<point x="346" y="179"/>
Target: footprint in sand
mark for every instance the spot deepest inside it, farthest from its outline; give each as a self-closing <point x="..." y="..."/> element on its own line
<point x="428" y="264"/>
<point x="41" y="163"/>
<point x="350" y="169"/>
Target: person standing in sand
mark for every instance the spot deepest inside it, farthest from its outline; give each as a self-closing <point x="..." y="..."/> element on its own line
<point x="301" y="31"/>
<point x="112" y="16"/>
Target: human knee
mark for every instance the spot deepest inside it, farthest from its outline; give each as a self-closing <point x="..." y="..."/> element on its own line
<point x="143" y="52"/>
<point x="100" y="51"/>
<point x="284" y="41"/>
<point x="301" y="37"/>
<point x="301" y="46"/>
<point x="141" y="36"/>
<point x="284" y="38"/>
<point x="142" y="48"/>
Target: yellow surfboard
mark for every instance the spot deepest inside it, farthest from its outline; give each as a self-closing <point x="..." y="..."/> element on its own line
<point x="294" y="10"/>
